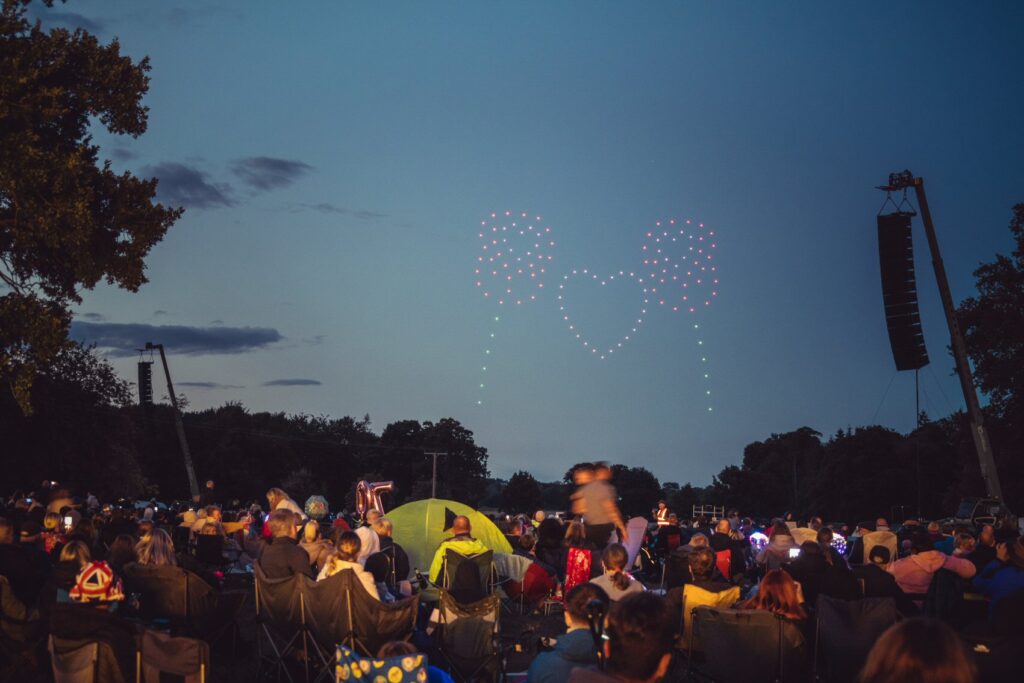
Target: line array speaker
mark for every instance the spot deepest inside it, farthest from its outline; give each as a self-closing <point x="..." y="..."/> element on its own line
<point x="899" y="291"/>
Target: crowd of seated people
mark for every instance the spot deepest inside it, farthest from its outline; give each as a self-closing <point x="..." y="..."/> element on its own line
<point x="66" y="553"/>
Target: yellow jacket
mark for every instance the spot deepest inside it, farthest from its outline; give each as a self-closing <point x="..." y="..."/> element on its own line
<point x="463" y="546"/>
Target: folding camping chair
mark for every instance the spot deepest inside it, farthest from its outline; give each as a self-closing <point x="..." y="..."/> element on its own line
<point x="694" y="597"/>
<point x="22" y="632"/>
<point x="883" y="538"/>
<point x="467" y="637"/>
<point x="186" y="658"/>
<point x="845" y="633"/>
<point x="83" y="661"/>
<point x="280" y="618"/>
<point x="749" y="646"/>
<point x="468" y="578"/>
<point x="339" y="611"/>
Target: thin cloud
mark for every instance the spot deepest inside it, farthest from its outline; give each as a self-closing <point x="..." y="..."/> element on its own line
<point x="184" y="185"/>
<point x="159" y="312"/>
<point x="208" y="385"/>
<point x="122" y="154"/>
<point x="327" y="207"/>
<point x="94" y="317"/>
<point x="122" y="340"/>
<point x="68" y="20"/>
<point x="268" y="173"/>
<point x="293" y="382"/>
<point x="315" y="340"/>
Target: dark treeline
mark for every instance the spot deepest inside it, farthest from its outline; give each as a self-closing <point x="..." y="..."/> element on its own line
<point x="86" y="431"/>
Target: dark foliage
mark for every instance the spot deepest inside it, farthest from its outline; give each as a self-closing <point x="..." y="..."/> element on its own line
<point x="67" y="221"/>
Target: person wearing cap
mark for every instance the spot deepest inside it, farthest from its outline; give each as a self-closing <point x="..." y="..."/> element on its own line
<point x="462" y="542"/>
<point x="878" y="583"/>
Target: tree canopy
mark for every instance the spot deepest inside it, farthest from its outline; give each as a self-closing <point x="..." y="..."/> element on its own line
<point x="67" y="220"/>
<point x="521" y="494"/>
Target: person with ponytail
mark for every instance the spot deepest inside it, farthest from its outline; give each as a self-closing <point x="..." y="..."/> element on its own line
<point x="616" y="581"/>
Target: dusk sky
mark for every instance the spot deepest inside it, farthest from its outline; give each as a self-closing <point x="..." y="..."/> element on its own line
<point x="336" y="160"/>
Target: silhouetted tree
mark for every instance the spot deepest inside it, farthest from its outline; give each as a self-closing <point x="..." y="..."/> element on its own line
<point x="521" y="494"/>
<point x="66" y="220"/>
<point x="638" y="490"/>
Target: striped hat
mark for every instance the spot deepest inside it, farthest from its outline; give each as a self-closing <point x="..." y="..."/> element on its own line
<point x="96" y="583"/>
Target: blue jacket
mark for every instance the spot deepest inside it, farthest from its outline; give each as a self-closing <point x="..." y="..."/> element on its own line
<point x="998" y="581"/>
<point x="574" y="649"/>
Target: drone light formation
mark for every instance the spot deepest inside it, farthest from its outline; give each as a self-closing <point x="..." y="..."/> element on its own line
<point x="677" y="272"/>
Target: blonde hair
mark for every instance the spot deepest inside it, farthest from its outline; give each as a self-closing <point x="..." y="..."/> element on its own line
<point x="275" y="496"/>
<point x="157" y="550"/>
<point x="382" y="525"/>
<point x="311" y="531"/>
<point x="76" y="551"/>
<point x="51" y="521"/>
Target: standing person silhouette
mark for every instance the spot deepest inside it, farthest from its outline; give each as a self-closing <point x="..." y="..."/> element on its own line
<point x="596" y="500"/>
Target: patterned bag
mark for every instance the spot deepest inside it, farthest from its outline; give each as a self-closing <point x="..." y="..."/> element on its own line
<point x="405" y="669"/>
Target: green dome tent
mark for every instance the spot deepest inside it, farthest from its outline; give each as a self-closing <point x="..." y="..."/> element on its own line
<point x="420" y="526"/>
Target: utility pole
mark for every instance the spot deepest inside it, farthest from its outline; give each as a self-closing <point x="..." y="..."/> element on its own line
<point x="901" y="181"/>
<point x="433" y="478"/>
<point x="193" y="484"/>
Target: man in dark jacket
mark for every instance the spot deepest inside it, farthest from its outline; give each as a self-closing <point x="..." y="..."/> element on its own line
<point x="283" y="557"/>
<point x="390" y="565"/>
<point x="576" y="647"/>
<point x="729" y="553"/>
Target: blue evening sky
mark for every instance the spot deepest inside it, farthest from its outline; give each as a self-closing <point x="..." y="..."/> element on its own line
<point x="336" y="159"/>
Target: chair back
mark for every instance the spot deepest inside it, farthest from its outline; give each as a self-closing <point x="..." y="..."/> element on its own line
<point x="180" y="536"/>
<point x="187" y="658"/>
<point x="468" y="578"/>
<point x="278" y="601"/>
<point x="847" y="630"/>
<point x="802" y="534"/>
<point x="210" y="549"/>
<point x="83" y="661"/>
<point x="750" y="646"/>
<point x="694" y="597"/>
<point x="14" y="614"/>
<point x="468" y="633"/>
<point x="163" y="591"/>
<point x="883" y="538"/>
<point x="338" y="610"/>
<point x="77" y="665"/>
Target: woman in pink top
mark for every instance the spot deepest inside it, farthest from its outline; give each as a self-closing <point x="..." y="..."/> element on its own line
<point x="914" y="573"/>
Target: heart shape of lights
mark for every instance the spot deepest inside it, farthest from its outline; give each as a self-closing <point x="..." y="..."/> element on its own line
<point x="584" y="275"/>
<point x="516" y="250"/>
<point x="679" y="270"/>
